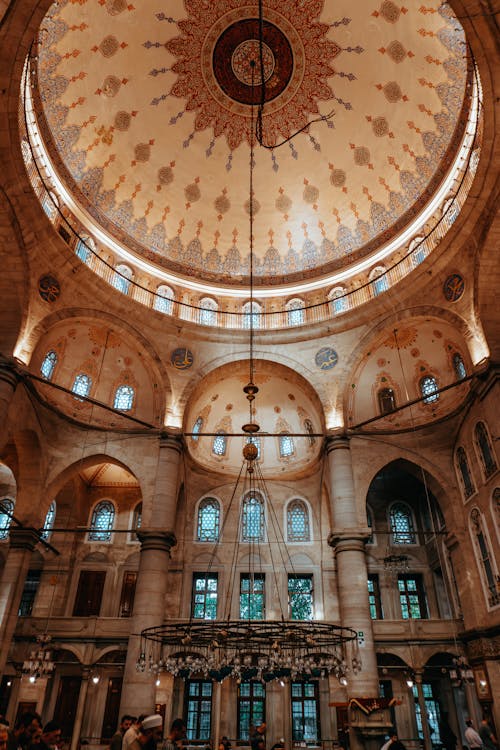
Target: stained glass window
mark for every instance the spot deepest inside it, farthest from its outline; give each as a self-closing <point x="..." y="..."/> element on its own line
<point x="255" y="439"/>
<point x="459" y="366"/>
<point x="48" y="365"/>
<point x="374" y="597"/>
<point x="121" y="278"/>
<point x="296" y="312"/>
<point x="252" y="317"/>
<point x="429" y="389"/>
<point x="208" y="311"/>
<point x="208" y="520"/>
<point x="83" y="249"/>
<point x="6" y="510"/>
<point x="49" y="521"/>
<point x="486" y="451"/>
<point x="198" y="709"/>
<point x="300" y="597"/>
<point x="465" y="473"/>
<point x="412" y="597"/>
<point x="252" y="519"/>
<point x="338" y="300"/>
<point x="484" y="553"/>
<point x="197" y="429"/>
<point x="124" y="398"/>
<point x="102" y="522"/>
<point x="401" y="522"/>
<point x="252" y="596"/>
<point x="164" y="299"/>
<point x="297" y="521"/>
<point x="251" y="707"/>
<point x="308" y="426"/>
<point x="379" y="281"/>
<point x="204" y="605"/>
<point x="219" y="445"/>
<point x="386" y="400"/>
<point x="82" y="384"/>
<point x="286" y="445"/>
<point x="305" y="712"/>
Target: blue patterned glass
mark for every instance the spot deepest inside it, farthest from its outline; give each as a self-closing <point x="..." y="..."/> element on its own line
<point x="101" y="525"/>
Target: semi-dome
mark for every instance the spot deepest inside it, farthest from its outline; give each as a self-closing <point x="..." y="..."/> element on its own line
<point x="147" y="117"/>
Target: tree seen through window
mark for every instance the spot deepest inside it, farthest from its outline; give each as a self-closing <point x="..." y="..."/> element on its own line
<point x="300" y="597"/>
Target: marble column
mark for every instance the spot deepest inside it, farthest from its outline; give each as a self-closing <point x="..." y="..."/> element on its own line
<point x="157" y="539"/>
<point x="348" y="540"/>
<point x="22" y="542"/>
<point x="80" y="709"/>
<point x="423" y="709"/>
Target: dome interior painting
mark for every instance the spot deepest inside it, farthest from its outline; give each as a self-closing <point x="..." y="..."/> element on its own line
<point x="147" y="118"/>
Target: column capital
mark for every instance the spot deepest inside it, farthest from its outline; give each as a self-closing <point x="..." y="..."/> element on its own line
<point x="349" y="539"/>
<point x="156" y="539"/>
<point x="171" y="439"/>
<point x="336" y="442"/>
<point x="21" y="538"/>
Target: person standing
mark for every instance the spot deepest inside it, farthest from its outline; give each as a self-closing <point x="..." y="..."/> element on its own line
<point x="487" y="736"/>
<point x="132" y="732"/>
<point x="117" y="738"/>
<point x="176" y="735"/>
<point x="257" y="738"/>
<point x="472" y="738"/>
<point x="27" y="727"/>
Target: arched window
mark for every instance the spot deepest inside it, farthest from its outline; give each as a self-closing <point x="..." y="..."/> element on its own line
<point x="483" y="442"/>
<point x="208" y="311"/>
<point x="369" y="521"/>
<point x="50" y="204"/>
<point x="82" y="385"/>
<point x="197" y="429"/>
<point x="308" y="427"/>
<point x="401" y="523"/>
<point x="6" y="511"/>
<point x="286" y="445"/>
<point x="297" y="521"/>
<point x="451" y="210"/>
<point x="379" y="281"/>
<point x="122" y="277"/>
<point x="417" y="250"/>
<point x="429" y="389"/>
<point x="386" y="400"/>
<point x="83" y="249"/>
<point x="465" y="472"/>
<point x="48" y="365"/>
<point x="252" y="518"/>
<point x="137" y="516"/>
<point x="102" y="521"/>
<point x="486" y="560"/>
<point x="338" y="300"/>
<point x="164" y="299"/>
<point x="459" y="366"/>
<point x="296" y="313"/>
<point x="252" y="315"/>
<point x="208" y="520"/>
<point x="50" y="518"/>
<point x="255" y="439"/>
<point x="219" y="445"/>
<point x="124" y="398"/>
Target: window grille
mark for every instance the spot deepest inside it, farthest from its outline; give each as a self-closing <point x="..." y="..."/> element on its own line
<point x="297" y="518"/>
<point x="208" y="520"/>
<point x="48" y="365"/>
<point x="219" y="445"/>
<point x="102" y="522"/>
<point x="252" y="519"/>
<point x="401" y="522"/>
<point x="124" y="398"/>
<point x="429" y="389"/>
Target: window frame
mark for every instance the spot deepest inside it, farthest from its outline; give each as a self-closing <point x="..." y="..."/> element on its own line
<point x="255" y="718"/>
<point x="432" y="396"/>
<point x="461" y="458"/>
<point x="122" y="278"/>
<point x="49" y="521"/>
<point x="383" y="395"/>
<point x="283" y="436"/>
<point x="198" y="713"/>
<point x="479" y="530"/>
<point x="252" y="315"/>
<point x="206" y="577"/>
<point x="163" y="301"/>
<point x="109" y="530"/>
<point x="252" y="594"/>
<point x="76" y="390"/>
<point x="487" y="471"/>
<point x="29" y="593"/>
<point x="374" y="597"/>
<point x="117" y="396"/>
<point x="299" y="733"/>
<point x="412" y="533"/>
<point x="200" y="507"/>
<point x="307" y="533"/>
<point x="245" y="538"/>
<point x="290" y="593"/>
<point x="420" y="594"/>
<point x="207" y="311"/>
<point x="5" y="528"/>
<point x="295" y="308"/>
<point x="223" y="437"/>
<point x="54" y="360"/>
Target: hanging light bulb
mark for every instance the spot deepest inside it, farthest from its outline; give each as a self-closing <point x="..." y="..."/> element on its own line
<point x="343" y="681"/>
<point x="32" y="678"/>
<point x="158" y="682"/>
<point x="409" y="682"/>
<point x="95" y="679"/>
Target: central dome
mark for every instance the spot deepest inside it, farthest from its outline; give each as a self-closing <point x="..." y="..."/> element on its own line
<point x="147" y="114"/>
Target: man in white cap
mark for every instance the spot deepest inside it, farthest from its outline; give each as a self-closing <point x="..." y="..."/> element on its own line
<point x="149" y="734"/>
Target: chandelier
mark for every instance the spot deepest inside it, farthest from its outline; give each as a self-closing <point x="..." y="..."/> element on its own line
<point x="39" y="664"/>
<point x="251" y="648"/>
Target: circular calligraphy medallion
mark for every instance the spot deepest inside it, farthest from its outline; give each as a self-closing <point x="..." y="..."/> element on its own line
<point x="326" y="358"/>
<point x="237" y="66"/>
<point x="49" y="288"/>
<point x="453" y="287"/>
<point x="182" y="359"/>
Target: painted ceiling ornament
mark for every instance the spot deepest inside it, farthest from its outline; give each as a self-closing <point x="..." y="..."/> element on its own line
<point x="326" y="358"/>
<point x="453" y="287"/>
<point x="49" y="288"/>
<point x="224" y="36"/>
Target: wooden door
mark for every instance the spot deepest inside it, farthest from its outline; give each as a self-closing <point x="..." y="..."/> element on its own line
<point x="66" y="703"/>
